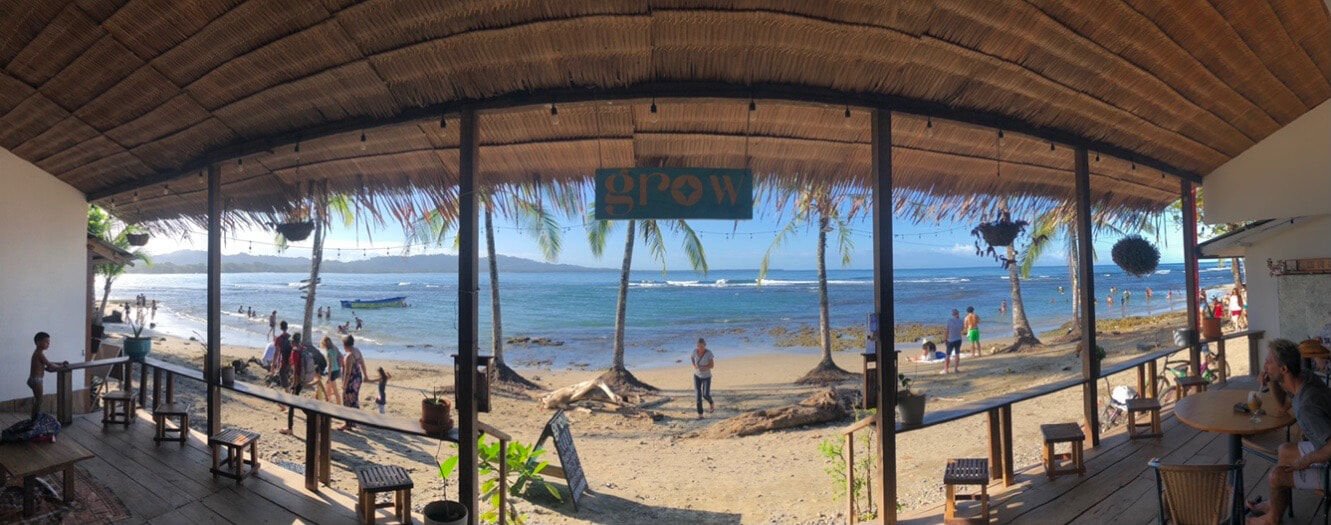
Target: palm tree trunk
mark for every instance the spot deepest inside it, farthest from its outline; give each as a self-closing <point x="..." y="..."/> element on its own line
<point x="316" y="260"/>
<point x="621" y="308"/>
<point x="502" y="371"/>
<point x="824" y="325"/>
<point x="1021" y="327"/>
<point x="106" y="293"/>
<point x="1238" y="274"/>
<point x="1076" y="285"/>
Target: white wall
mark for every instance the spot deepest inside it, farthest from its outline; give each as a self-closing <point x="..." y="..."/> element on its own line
<point x="43" y="261"/>
<point x="1287" y="174"/>
<point x="1311" y="239"/>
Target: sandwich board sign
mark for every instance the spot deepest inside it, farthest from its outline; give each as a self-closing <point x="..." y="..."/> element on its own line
<point x="674" y="193"/>
<point x="571" y="467"/>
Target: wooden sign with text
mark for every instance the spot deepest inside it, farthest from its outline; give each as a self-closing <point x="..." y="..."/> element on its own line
<point x="674" y="193"/>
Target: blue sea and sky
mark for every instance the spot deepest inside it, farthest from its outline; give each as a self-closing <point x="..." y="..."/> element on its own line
<point x="936" y="270"/>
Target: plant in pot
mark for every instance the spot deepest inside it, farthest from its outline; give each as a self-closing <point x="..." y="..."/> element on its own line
<point x="524" y="478"/>
<point x="297" y="227"/>
<point x="1136" y="255"/>
<point x="910" y="404"/>
<point x="1210" y="323"/>
<point x="436" y="413"/>
<point x="137" y="238"/>
<point x="137" y="347"/>
<point x="998" y="233"/>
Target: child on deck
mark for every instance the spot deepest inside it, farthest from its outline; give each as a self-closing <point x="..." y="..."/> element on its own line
<point x="40" y="366"/>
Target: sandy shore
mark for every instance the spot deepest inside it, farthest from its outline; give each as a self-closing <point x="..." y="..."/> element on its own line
<point x="644" y="470"/>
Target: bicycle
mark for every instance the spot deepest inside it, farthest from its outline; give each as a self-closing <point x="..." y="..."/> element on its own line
<point x="1175" y="369"/>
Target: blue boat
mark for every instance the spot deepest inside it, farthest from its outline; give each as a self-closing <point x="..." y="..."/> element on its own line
<point x="390" y="302"/>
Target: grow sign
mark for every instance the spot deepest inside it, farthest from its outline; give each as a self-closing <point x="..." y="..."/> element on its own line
<point x="674" y="193"/>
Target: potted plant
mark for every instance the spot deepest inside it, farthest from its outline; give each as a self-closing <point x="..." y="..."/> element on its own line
<point x="998" y="233"/>
<point x="1136" y="255"/>
<point x="1210" y="324"/>
<point x="137" y="239"/>
<point x="295" y="230"/>
<point x="445" y="511"/>
<point x="436" y="413"/>
<point x="137" y="347"/>
<point x="229" y="375"/>
<point x="910" y="404"/>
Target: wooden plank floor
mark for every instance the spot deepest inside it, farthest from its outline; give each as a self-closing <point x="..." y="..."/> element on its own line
<point x="1119" y="486"/>
<point x="170" y="483"/>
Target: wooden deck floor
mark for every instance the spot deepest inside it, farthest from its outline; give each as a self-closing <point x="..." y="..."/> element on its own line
<point x="169" y="483"/>
<point x="1119" y="486"/>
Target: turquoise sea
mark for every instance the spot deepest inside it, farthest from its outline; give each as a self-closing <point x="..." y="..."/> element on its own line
<point x="665" y="313"/>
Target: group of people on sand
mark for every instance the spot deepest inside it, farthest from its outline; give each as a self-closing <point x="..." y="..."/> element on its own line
<point x="959" y="331"/>
<point x="1231" y="305"/>
<point x="334" y="373"/>
<point x="142" y="307"/>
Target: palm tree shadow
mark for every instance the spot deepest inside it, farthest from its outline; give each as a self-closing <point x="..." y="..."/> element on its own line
<point x="604" y="508"/>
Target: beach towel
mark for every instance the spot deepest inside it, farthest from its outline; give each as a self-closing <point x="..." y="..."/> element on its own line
<point x="938" y="357"/>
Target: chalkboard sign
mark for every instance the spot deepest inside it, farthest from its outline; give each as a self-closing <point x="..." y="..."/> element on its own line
<point x="557" y="428"/>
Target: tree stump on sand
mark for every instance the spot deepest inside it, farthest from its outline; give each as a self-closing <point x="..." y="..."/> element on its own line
<point x="1023" y="340"/>
<point x="824" y="406"/>
<point x="826" y="373"/>
<point x="622" y="380"/>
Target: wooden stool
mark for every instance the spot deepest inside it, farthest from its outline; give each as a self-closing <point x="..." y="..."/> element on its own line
<point x="118" y="407"/>
<point x="1062" y="433"/>
<point x="165" y="411"/>
<point x="373" y="479"/>
<point x="235" y="440"/>
<point x="1184" y="383"/>
<point x="1150" y="406"/>
<point x="966" y="472"/>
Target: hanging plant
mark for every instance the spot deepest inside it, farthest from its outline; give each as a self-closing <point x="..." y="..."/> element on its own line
<point x="137" y="239"/>
<point x="295" y="231"/>
<point x="998" y="233"/>
<point x="1136" y="255"/>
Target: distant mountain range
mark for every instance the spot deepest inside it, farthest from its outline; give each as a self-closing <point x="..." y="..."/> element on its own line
<point x="196" y="261"/>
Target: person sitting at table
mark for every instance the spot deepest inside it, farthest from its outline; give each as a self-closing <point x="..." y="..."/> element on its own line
<point x="1301" y="465"/>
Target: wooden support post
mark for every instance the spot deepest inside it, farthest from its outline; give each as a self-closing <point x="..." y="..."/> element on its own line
<point x="1220" y="358"/>
<point x="1193" y="290"/>
<point x="468" y="329"/>
<point x="311" y="451"/>
<point x="157" y="387"/>
<point x="1090" y="366"/>
<point x="170" y="387"/>
<point x="850" y="478"/>
<point x="995" y="445"/>
<point x="881" y="136"/>
<point x="64" y="394"/>
<point x="1141" y="379"/>
<point x="1005" y="412"/>
<point x="326" y="449"/>
<point x="1154" y="379"/>
<point x="503" y="481"/>
<point x="212" y="362"/>
<point x="1254" y="353"/>
<point x="143" y="385"/>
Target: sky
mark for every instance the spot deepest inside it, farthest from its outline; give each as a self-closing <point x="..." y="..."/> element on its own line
<point x="727" y="245"/>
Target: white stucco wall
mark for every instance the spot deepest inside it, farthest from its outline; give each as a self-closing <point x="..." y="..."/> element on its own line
<point x="1306" y="240"/>
<point x="1287" y="174"/>
<point x="43" y="261"/>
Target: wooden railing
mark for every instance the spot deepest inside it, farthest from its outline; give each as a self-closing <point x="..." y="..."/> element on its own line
<point x="999" y="409"/>
<point x="318" y="415"/>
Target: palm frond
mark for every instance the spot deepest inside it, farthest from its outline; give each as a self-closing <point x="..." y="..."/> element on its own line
<point x="845" y="241"/>
<point x="597" y="232"/>
<point x="777" y="242"/>
<point x="543" y="225"/>
<point x="693" y="248"/>
<point x="655" y="241"/>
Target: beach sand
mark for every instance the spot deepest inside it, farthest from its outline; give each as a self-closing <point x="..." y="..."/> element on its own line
<point x="640" y="470"/>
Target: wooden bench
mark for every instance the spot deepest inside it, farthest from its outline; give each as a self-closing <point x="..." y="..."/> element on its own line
<point x="118" y="407"/>
<point x="972" y="471"/>
<point x="235" y="440"/>
<point x="166" y="411"/>
<point x="374" y="479"/>
<point x="1184" y="384"/>
<point x="1152" y="409"/>
<point x="30" y="460"/>
<point x="1063" y="433"/>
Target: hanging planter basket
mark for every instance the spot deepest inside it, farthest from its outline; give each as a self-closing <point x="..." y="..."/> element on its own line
<point x="295" y="231"/>
<point x="137" y="239"/>
<point x="1002" y="232"/>
<point x="1136" y="255"/>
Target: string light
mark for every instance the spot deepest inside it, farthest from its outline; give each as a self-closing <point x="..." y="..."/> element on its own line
<point x="362" y="141"/>
<point x="554" y="114"/>
<point x="297" y="147"/>
<point x="847" y="111"/>
<point x="166" y="189"/>
<point x="1097" y="156"/>
<point x="1134" y="166"/>
<point x="929" y="126"/>
<point x="1051" y="146"/>
<point x="753" y="106"/>
<point x="136" y="196"/>
<point x="443" y="122"/>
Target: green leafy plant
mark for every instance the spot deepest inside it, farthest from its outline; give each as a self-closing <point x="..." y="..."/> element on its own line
<point x="904" y="389"/>
<point x="437" y="395"/>
<point x="524" y="474"/>
<point x="1136" y="255"/>
<point x="833" y="451"/>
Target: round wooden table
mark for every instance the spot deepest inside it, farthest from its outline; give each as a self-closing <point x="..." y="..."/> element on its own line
<point x="1213" y="411"/>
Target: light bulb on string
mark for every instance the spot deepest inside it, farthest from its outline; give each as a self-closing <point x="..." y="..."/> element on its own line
<point x="1001" y="140"/>
<point x="166" y="189"/>
<point x="362" y="141"/>
<point x="929" y="126"/>
<point x="652" y="115"/>
<point x="443" y="122"/>
<point x="554" y="114"/>
<point x="753" y="106"/>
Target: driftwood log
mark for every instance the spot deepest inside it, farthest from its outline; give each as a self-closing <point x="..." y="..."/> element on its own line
<point x="590" y="389"/>
<point x="823" y="406"/>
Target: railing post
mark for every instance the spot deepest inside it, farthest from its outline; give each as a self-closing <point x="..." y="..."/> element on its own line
<point x="1090" y="366"/>
<point x="1141" y="379"/>
<point x="170" y="387"/>
<point x="1006" y="413"/>
<point x="850" y="478"/>
<point x="1220" y="357"/>
<point x="157" y="387"/>
<point x="503" y="480"/>
<point x="64" y="407"/>
<point x="1154" y="379"/>
<point x="311" y="451"/>
<point x="995" y="445"/>
<point x="143" y="384"/>
<point x="326" y="450"/>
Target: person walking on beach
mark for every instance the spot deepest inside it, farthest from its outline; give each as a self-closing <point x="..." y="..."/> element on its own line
<point x="353" y="370"/>
<point x="40" y="366"/>
<point x="154" y="314"/>
<point x="952" y="349"/>
<point x="382" y="400"/>
<point x="272" y="324"/>
<point x="332" y="390"/>
<point x="972" y="327"/>
<point x="283" y="363"/>
<point x="703" y="362"/>
<point x="300" y="376"/>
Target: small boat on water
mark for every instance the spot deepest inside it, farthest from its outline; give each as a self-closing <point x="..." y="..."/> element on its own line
<point x="391" y="302"/>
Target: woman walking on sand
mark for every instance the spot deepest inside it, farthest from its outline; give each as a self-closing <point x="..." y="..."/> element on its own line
<point x="332" y="389"/>
<point x="703" y="362"/>
<point x="353" y="369"/>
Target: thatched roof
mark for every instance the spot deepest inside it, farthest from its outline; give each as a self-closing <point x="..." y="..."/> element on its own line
<point x="110" y="95"/>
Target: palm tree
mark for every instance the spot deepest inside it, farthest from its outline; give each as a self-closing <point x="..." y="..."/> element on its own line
<point x="810" y="204"/>
<point x="342" y="206"/>
<point x="1021" y="326"/>
<point x="102" y="225"/>
<point x="618" y="375"/>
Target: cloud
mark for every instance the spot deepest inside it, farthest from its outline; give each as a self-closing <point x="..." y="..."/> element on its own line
<point x="957" y="249"/>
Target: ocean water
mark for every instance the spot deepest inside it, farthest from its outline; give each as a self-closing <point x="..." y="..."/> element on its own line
<point x="665" y="313"/>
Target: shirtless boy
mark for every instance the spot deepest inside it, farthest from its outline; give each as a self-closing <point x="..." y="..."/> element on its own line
<point x="40" y="366"/>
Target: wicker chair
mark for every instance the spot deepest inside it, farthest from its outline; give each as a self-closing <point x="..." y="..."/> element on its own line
<point x="1194" y="494"/>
